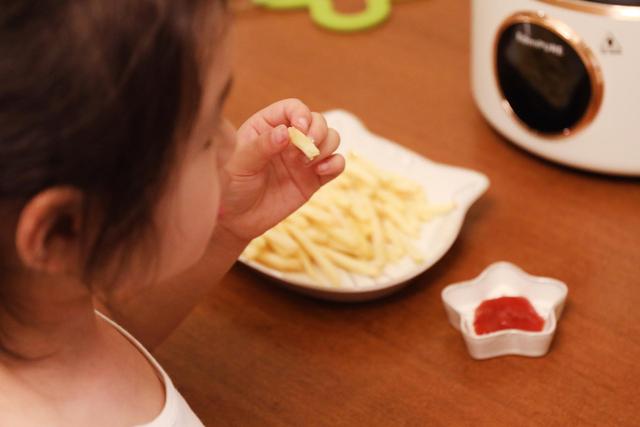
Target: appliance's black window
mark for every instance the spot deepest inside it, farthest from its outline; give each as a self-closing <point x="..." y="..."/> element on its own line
<point x="542" y="77"/>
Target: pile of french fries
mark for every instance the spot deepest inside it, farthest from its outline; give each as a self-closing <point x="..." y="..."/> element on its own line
<point x="359" y="223"/>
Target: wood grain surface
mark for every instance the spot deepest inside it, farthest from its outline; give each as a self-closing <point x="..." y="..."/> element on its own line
<point x="253" y="354"/>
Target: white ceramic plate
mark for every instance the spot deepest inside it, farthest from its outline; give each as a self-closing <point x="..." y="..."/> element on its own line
<point x="442" y="184"/>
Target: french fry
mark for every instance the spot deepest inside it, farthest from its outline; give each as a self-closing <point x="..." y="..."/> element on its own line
<point x="377" y="239"/>
<point x="352" y="264"/>
<point x="317" y="255"/>
<point x="345" y="237"/>
<point x="361" y="208"/>
<point x="251" y="251"/>
<point x="273" y="260"/>
<point x="309" y="269"/>
<point x="316" y="235"/>
<point x="342" y="248"/>
<point x="304" y="143"/>
<point x="281" y="242"/>
<point x="396" y="245"/>
<point x="315" y="214"/>
<point x="394" y="216"/>
<point x="254" y="248"/>
<point x="404" y="186"/>
<point x="298" y="219"/>
<point x="359" y="173"/>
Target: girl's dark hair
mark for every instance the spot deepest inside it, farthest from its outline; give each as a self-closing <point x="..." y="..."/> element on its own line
<point x="93" y="95"/>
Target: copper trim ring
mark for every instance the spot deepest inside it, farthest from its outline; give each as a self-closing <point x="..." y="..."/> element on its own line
<point x="563" y="31"/>
<point x="611" y="10"/>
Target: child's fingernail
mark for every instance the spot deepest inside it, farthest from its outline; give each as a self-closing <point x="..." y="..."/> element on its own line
<point x="322" y="168"/>
<point x="303" y="123"/>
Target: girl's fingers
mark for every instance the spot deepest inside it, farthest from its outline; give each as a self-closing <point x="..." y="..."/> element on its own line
<point x="290" y="112"/>
<point x="330" y="168"/>
<point x="328" y="146"/>
<point x="318" y="128"/>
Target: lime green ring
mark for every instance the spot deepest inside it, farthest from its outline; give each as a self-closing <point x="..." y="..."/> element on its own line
<point x="325" y="15"/>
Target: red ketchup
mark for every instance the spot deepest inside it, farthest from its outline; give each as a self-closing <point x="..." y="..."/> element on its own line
<point x="506" y="313"/>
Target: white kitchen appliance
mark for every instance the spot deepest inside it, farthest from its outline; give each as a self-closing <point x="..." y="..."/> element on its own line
<point x="561" y="78"/>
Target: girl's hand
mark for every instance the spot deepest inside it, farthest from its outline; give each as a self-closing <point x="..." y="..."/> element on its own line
<point x="269" y="178"/>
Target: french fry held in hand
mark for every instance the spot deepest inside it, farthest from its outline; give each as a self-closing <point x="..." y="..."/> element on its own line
<point x="304" y="143"/>
<point x="363" y="221"/>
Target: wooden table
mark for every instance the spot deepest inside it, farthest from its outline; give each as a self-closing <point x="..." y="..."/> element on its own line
<point x="254" y="354"/>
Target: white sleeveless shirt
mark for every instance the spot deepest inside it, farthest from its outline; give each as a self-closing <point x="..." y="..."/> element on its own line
<point x="175" y="412"/>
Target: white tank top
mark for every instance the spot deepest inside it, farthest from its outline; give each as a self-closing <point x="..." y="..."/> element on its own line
<point x="176" y="412"/>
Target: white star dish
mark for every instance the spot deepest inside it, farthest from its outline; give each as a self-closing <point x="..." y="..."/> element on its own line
<point x="500" y="279"/>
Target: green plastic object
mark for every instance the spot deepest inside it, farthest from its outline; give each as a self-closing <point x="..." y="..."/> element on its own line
<point x="324" y="14"/>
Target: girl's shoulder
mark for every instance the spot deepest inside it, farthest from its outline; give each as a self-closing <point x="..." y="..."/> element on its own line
<point x="20" y="406"/>
<point x="107" y="376"/>
<point x="176" y="410"/>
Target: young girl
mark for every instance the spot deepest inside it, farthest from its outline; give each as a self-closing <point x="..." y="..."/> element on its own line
<point x="117" y="172"/>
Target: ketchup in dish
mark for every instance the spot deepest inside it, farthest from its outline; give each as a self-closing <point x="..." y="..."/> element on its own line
<point x="506" y="313"/>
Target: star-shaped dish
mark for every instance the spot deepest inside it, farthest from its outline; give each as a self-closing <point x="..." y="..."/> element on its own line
<point x="505" y="279"/>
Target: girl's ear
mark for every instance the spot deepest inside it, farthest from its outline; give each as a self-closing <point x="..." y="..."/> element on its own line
<point x="48" y="234"/>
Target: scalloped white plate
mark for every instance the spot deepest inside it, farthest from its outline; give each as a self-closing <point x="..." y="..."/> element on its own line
<point x="442" y="184"/>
